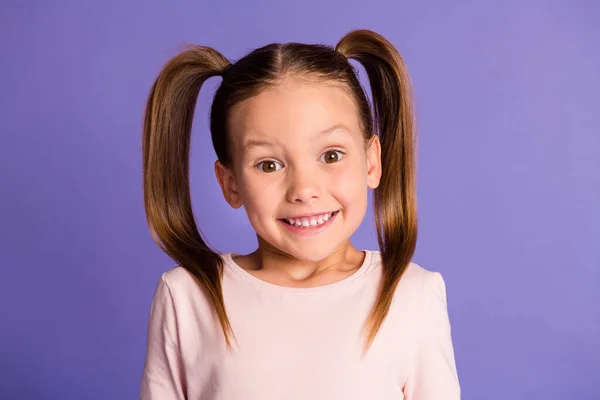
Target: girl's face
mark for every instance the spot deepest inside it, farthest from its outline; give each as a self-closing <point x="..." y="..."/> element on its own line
<point x="300" y="159"/>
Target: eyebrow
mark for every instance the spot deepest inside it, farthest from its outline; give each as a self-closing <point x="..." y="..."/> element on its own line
<point x="326" y="132"/>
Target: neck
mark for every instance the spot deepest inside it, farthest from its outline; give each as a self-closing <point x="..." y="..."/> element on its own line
<point x="272" y="264"/>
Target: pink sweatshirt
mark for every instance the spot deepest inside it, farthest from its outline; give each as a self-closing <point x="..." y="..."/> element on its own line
<point x="300" y="343"/>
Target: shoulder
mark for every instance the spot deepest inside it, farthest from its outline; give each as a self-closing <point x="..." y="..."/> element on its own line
<point x="177" y="277"/>
<point x="418" y="284"/>
<point x="179" y="287"/>
<point x="415" y="276"/>
<point x="424" y="280"/>
<point x="425" y="291"/>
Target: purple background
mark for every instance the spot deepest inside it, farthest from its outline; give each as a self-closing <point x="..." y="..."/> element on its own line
<point x="508" y="180"/>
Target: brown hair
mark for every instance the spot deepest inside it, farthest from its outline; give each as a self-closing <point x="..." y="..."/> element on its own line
<point x="166" y="142"/>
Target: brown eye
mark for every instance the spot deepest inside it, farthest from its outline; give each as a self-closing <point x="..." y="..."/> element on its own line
<point x="268" y="166"/>
<point x="332" y="156"/>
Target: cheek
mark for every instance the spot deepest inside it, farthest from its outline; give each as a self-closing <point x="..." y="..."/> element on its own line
<point x="257" y="197"/>
<point x="351" y="185"/>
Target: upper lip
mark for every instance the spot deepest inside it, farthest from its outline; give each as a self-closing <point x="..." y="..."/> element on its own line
<point x="309" y="215"/>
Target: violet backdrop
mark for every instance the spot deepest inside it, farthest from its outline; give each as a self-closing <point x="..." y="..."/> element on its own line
<point x="508" y="103"/>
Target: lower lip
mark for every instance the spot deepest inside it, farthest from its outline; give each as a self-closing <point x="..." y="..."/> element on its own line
<point x="309" y="230"/>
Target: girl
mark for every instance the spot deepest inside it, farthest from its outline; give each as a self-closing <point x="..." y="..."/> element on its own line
<point x="306" y="315"/>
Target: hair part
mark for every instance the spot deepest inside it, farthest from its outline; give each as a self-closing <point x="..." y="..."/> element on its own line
<point x="167" y="132"/>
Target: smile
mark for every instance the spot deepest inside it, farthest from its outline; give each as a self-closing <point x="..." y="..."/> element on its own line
<point x="309" y="225"/>
<point x="306" y="222"/>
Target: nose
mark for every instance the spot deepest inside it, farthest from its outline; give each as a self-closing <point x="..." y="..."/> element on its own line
<point x="303" y="186"/>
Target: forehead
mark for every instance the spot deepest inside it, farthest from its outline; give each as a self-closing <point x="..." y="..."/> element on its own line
<point x="292" y="110"/>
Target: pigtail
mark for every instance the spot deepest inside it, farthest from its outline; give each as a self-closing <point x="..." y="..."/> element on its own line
<point x="395" y="198"/>
<point x="165" y="148"/>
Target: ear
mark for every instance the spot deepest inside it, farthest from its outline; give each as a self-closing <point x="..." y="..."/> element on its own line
<point x="373" y="162"/>
<point x="228" y="185"/>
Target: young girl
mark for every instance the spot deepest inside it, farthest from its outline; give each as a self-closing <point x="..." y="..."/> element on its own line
<point x="306" y="315"/>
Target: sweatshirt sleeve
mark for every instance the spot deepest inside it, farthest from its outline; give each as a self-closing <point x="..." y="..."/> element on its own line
<point x="163" y="376"/>
<point x="434" y="375"/>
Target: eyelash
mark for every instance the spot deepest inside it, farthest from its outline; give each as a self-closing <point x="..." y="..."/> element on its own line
<point x="257" y="166"/>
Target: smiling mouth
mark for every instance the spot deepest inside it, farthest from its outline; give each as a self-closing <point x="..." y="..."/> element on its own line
<point x="307" y="222"/>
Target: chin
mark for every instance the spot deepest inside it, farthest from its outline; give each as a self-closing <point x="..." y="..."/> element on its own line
<point x="311" y="253"/>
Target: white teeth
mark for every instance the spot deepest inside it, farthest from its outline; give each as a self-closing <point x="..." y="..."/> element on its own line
<point x="306" y="222"/>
